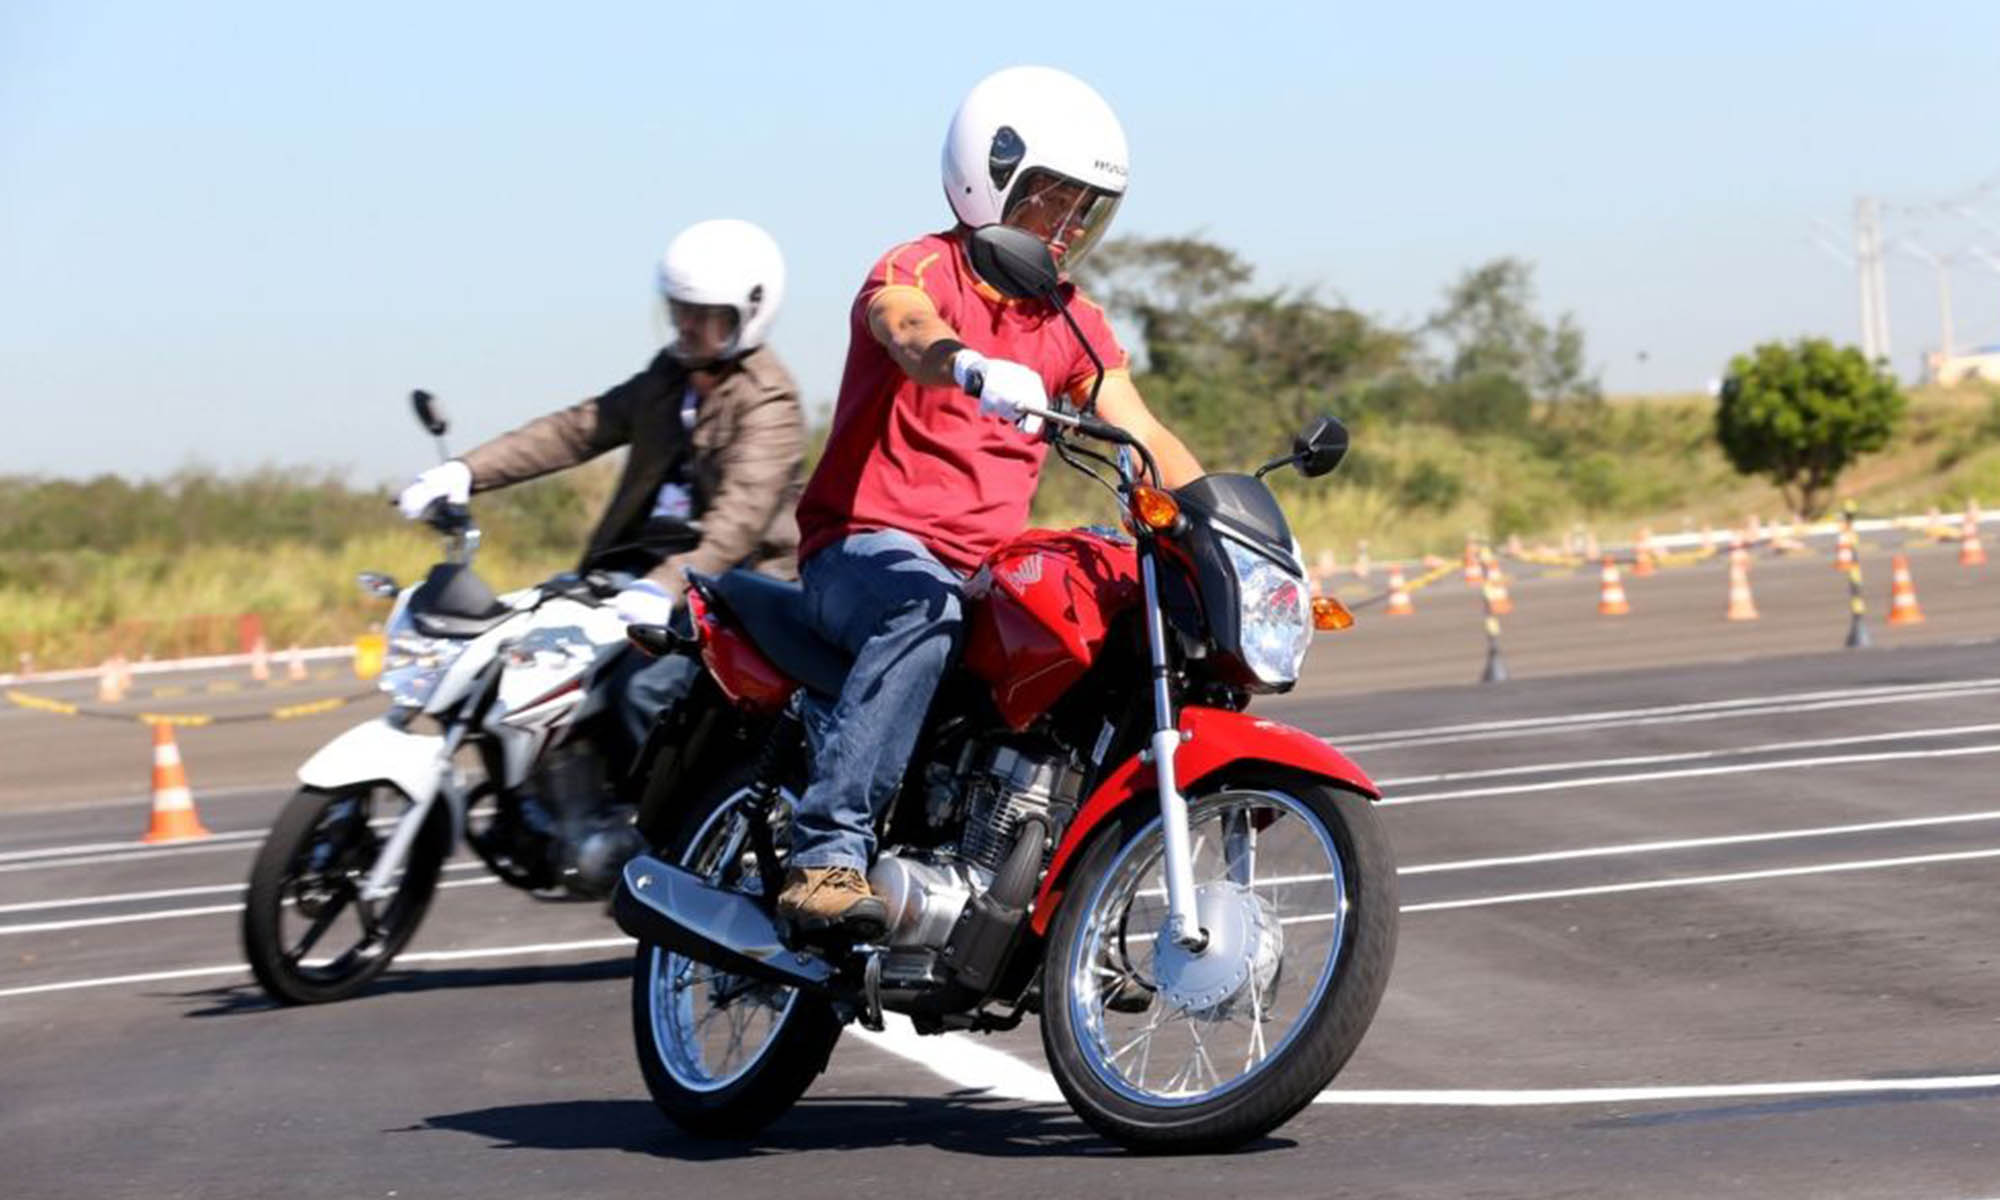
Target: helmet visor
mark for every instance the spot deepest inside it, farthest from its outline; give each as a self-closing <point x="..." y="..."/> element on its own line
<point x="702" y="332"/>
<point x="1067" y="214"/>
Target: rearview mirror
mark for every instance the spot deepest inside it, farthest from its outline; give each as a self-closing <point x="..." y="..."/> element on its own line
<point x="1321" y="447"/>
<point x="1014" y="262"/>
<point x="429" y="414"/>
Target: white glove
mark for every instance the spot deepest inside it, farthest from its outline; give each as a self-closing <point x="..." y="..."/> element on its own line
<point x="447" y="481"/>
<point x="1006" y="390"/>
<point x="643" y="603"/>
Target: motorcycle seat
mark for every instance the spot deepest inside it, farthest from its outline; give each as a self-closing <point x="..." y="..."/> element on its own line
<point x="452" y="602"/>
<point x="773" y="613"/>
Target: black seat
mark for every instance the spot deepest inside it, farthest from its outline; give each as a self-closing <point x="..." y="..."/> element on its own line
<point x="452" y="602"/>
<point x="773" y="613"/>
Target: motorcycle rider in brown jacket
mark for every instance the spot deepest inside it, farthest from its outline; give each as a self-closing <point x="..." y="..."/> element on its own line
<point x="716" y="440"/>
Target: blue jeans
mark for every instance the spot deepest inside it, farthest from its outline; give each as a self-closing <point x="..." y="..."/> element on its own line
<point x="641" y="687"/>
<point x="886" y="600"/>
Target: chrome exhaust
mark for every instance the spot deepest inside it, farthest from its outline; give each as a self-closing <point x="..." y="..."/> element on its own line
<point x="673" y="908"/>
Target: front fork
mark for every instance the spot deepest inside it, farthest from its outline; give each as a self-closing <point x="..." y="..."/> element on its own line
<point x="378" y="885"/>
<point x="1183" y="926"/>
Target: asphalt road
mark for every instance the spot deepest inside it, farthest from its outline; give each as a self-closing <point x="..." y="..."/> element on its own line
<point x="1725" y="929"/>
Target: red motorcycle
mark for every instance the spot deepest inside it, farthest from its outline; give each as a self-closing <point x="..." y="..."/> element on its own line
<point x="1199" y="904"/>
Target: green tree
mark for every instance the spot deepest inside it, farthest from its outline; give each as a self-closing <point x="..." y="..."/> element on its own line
<point x="1490" y="328"/>
<point x="1230" y="368"/>
<point x="1800" y="414"/>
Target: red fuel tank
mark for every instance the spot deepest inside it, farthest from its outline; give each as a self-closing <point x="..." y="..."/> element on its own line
<point x="1038" y="612"/>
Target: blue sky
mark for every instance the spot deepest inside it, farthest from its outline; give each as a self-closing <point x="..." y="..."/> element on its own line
<point x="239" y="234"/>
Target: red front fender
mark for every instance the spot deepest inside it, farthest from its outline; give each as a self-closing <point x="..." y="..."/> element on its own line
<point x="1213" y="738"/>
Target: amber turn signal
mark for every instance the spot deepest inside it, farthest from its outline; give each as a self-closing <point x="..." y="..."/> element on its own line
<point x="1330" y="614"/>
<point x="1155" y="509"/>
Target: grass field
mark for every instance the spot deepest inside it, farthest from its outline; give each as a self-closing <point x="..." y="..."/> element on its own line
<point x="88" y="569"/>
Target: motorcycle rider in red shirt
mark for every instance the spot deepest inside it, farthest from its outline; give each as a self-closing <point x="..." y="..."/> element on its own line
<point x="920" y="481"/>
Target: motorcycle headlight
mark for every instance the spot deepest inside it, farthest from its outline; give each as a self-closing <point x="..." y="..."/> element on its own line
<point x="413" y="663"/>
<point x="1274" y="616"/>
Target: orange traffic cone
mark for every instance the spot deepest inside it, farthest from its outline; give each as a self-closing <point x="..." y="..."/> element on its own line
<point x="1903" y="608"/>
<point x="1742" y="605"/>
<point x="1361" y="563"/>
<point x="1496" y="587"/>
<point x="174" y="817"/>
<point x="1399" y="596"/>
<point x="1473" y="574"/>
<point x="260" y="660"/>
<point x="1970" y="552"/>
<point x="1611" y="592"/>
<point x="1642" y="557"/>
<point x="295" y="665"/>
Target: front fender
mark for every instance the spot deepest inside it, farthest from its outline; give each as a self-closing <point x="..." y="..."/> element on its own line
<point x="1211" y="739"/>
<point x="378" y="751"/>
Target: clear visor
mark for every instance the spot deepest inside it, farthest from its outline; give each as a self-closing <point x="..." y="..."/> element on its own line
<point x="700" y="333"/>
<point x="1069" y="215"/>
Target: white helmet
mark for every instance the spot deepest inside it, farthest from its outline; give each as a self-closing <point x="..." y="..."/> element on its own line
<point x="726" y="263"/>
<point x="1036" y="147"/>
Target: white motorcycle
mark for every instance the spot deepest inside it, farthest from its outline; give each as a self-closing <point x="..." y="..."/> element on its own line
<point x="499" y="734"/>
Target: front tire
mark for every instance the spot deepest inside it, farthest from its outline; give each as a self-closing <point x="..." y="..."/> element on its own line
<point x="304" y="893"/>
<point x="694" y="1026"/>
<point x="1160" y="1050"/>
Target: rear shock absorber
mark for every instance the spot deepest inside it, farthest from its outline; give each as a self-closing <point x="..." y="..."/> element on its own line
<point x="784" y="737"/>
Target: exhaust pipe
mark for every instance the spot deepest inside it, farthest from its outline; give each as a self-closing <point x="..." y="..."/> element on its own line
<point x="673" y="908"/>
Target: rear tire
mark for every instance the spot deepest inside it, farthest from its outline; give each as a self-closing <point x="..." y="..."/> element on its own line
<point x="309" y="868"/>
<point x="731" y="1103"/>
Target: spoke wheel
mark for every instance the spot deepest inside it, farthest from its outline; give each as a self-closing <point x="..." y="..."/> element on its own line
<point x="309" y="933"/>
<point x="1159" y="1046"/>
<point x="710" y="1026"/>
<point x="724" y="1055"/>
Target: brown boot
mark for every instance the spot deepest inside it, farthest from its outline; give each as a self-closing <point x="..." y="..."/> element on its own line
<point x="826" y="900"/>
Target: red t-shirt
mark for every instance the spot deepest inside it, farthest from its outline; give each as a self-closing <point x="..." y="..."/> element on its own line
<point x="923" y="459"/>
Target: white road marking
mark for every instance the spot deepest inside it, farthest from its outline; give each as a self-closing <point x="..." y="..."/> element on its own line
<point x="964" y="1062"/>
<point x="1788" y="764"/>
<point x="418" y="956"/>
<point x="206" y="889"/>
<point x="205" y="910"/>
<point x="1644" y="885"/>
<point x="99" y="853"/>
<point x="129" y="855"/>
<point x="1693" y="755"/>
<point x="133" y="847"/>
<point x="1677" y="714"/>
<point x="1732" y="839"/>
<point x="1533" y="1097"/>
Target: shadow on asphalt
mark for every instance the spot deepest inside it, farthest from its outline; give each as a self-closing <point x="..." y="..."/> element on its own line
<point x="965" y="1122"/>
<point x="238" y="998"/>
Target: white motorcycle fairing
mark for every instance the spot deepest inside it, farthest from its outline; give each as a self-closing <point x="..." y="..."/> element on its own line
<point x="378" y="751"/>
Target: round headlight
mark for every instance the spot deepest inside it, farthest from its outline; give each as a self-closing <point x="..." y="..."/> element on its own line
<point x="1274" y="615"/>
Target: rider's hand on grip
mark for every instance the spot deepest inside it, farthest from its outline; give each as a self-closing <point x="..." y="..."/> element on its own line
<point x="1006" y="390"/>
<point x="448" y="481"/>
<point x="644" y="603"/>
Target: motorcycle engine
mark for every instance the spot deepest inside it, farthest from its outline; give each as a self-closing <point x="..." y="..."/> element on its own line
<point x="995" y="788"/>
<point x="1005" y="785"/>
<point x="593" y="838"/>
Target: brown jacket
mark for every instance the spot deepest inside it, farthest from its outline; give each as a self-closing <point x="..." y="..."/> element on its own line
<point x="748" y="447"/>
